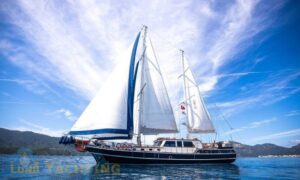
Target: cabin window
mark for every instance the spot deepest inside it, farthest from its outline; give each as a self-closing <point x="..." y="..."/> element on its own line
<point x="188" y="144"/>
<point x="179" y="143"/>
<point x="157" y="143"/>
<point x="169" y="144"/>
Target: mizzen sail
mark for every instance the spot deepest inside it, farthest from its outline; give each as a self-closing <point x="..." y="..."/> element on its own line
<point x="198" y="118"/>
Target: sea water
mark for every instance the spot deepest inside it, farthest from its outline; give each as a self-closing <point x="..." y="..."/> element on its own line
<point x="84" y="167"/>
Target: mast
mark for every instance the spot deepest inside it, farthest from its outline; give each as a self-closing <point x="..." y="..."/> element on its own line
<point x="186" y="96"/>
<point x="141" y="101"/>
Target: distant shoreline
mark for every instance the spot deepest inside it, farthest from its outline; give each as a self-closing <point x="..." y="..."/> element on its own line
<point x="15" y="142"/>
<point x="258" y="157"/>
<point x="48" y="154"/>
<point x="279" y="156"/>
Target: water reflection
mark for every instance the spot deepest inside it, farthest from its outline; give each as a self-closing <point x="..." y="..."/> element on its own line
<point x="180" y="171"/>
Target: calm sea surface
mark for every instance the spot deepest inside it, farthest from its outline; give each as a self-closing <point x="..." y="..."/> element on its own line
<point x="84" y="167"/>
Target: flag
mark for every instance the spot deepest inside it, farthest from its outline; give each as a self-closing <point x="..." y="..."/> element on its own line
<point x="182" y="107"/>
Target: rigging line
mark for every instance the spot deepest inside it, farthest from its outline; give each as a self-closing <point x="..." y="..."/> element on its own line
<point x="187" y="59"/>
<point x="183" y="72"/>
<point x="155" y="56"/>
<point x="142" y="89"/>
<point x="185" y="101"/>
<point x="156" y="59"/>
<point x="200" y="93"/>
<point x="156" y="68"/>
<point x="163" y="81"/>
<point x="191" y="81"/>
<point x="223" y="117"/>
<point x="169" y="42"/>
<point x="175" y="47"/>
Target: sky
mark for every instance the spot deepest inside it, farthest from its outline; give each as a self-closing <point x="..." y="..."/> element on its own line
<point x="245" y="55"/>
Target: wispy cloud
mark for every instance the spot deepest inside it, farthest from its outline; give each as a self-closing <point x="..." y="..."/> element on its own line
<point x="276" y="87"/>
<point x="63" y="112"/>
<point x="77" y="44"/>
<point x="252" y="125"/>
<point x="290" y="133"/>
<point x="238" y="26"/>
<point x="28" y="126"/>
<point x="236" y="74"/>
<point x="30" y="85"/>
<point x="293" y="113"/>
<point x="20" y="102"/>
<point x="295" y="142"/>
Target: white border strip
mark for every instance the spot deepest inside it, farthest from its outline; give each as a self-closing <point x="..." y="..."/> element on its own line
<point x="161" y="158"/>
<point x="161" y="152"/>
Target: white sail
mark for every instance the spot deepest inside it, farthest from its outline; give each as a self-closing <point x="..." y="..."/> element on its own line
<point x="134" y="97"/>
<point x="155" y="108"/>
<point x="198" y="118"/>
<point x="110" y="114"/>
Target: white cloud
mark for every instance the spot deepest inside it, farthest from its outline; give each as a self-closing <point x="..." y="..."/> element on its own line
<point x="234" y="27"/>
<point x="28" y="126"/>
<point x="75" y="45"/>
<point x="238" y="25"/>
<point x="79" y="43"/>
<point x="252" y="125"/>
<point x="295" y="142"/>
<point x="272" y="89"/>
<point x="290" y="133"/>
<point x="293" y="113"/>
<point x="30" y="85"/>
<point x="237" y="74"/>
<point x="63" y="112"/>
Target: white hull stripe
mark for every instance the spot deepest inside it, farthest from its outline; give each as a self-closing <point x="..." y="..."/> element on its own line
<point x="161" y="152"/>
<point x="213" y="159"/>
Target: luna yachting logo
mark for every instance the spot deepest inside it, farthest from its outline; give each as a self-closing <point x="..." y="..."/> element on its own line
<point x="24" y="163"/>
<point x="104" y="167"/>
<point x="24" y="159"/>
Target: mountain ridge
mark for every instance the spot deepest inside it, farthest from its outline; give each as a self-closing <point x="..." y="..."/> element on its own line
<point x="40" y="144"/>
<point x="265" y="149"/>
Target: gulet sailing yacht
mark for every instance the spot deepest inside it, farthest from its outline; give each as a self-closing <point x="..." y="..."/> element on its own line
<point x="134" y="102"/>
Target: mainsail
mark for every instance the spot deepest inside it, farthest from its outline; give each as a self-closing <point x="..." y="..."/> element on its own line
<point x="198" y="118"/>
<point x="156" y="114"/>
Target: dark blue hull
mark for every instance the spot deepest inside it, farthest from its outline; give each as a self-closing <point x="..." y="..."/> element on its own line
<point x="142" y="157"/>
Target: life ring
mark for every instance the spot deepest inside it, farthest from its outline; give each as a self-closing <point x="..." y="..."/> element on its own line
<point x="124" y="146"/>
<point x="118" y="145"/>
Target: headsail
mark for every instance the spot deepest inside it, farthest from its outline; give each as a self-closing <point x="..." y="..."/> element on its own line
<point x="156" y="114"/>
<point x="110" y="114"/>
<point x="198" y="118"/>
